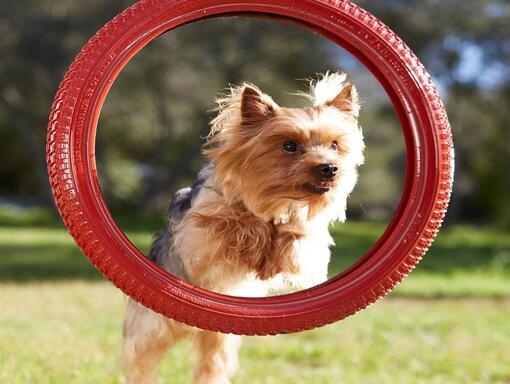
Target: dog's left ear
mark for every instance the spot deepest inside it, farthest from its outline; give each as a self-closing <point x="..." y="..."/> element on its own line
<point x="347" y="100"/>
<point x="255" y="106"/>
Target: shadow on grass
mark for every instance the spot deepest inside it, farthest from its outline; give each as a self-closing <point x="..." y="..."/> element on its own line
<point x="30" y="252"/>
<point x="40" y="263"/>
<point x="460" y="248"/>
<point x="34" y="246"/>
<point x="49" y="218"/>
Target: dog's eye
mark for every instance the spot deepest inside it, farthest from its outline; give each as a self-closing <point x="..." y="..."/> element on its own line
<point x="290" y="146"/>
<point x="334" y="146"/>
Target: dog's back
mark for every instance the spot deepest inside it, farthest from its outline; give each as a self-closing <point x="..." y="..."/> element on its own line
<point x="180" y="203"/>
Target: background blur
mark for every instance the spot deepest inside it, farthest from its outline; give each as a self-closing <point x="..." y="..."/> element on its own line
<point x="60" y="321"/>
<point x="149" y="133"/>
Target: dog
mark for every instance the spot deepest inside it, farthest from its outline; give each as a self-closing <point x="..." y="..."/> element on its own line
<point x="256" y="220"/>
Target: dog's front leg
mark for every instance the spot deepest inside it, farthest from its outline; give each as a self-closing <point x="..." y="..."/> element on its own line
<point x="218" y="357"/>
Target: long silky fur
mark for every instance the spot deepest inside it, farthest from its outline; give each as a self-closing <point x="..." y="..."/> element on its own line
<point x="256" y="220"/>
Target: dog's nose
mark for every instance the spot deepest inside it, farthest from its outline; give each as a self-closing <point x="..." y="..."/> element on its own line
<point x="327" y="171"/>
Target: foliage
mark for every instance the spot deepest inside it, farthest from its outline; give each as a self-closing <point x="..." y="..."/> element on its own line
<point x="149" y="134"/>
<point x="465" y="46"/>
<point x="39" y="40"/>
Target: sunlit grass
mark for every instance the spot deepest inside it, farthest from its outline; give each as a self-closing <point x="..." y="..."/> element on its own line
<point x="69" y="332"/>
<point x="59" y="332"/>
<point x="60" y="322"/>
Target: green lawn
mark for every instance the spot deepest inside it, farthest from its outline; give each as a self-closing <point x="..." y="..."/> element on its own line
<point x="60" y="322"/>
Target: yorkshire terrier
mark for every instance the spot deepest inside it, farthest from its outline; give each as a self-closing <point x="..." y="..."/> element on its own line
<point x="256" y="220"/>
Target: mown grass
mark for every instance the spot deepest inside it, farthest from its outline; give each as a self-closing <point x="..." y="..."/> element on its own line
<point x="464" y="261"/>
<point x="69" y="332"/>
<point x="60" y="322"/>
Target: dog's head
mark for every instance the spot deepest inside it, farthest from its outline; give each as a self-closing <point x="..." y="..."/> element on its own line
<point x="284" y="162"/>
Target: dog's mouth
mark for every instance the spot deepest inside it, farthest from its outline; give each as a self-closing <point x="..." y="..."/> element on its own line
<point x="318" y="188"/>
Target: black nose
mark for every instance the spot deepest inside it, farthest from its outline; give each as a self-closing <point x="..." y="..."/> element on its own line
<point x="327" y="170"/>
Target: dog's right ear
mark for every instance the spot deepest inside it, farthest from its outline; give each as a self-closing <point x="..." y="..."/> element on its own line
<point x="255" y="106"/>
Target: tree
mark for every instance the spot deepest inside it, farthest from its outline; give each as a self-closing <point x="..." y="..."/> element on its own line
<point x="464" y="45"/>
<point x="39" y="40"/>
<point x="149" y="132"/>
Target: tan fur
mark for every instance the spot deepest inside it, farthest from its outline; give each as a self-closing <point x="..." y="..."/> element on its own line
<point x="260" y="223"/>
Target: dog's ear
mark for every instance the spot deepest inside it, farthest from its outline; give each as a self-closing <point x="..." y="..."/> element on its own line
<point x="347" y="100"/>
<point x="255" y="106"/>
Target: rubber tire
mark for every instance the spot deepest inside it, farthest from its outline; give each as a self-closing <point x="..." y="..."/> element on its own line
<point x="75" y="184"/>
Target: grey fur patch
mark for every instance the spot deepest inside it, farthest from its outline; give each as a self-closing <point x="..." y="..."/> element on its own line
<point x="181" y="202"/>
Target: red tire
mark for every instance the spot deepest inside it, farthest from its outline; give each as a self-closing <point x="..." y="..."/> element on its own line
<point x="74" y="179"/>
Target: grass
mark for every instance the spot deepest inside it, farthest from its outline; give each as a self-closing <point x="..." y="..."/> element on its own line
<point x="464" y="261"/>
<point x="60" y="322"/>
<point x="69" y="332"/>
